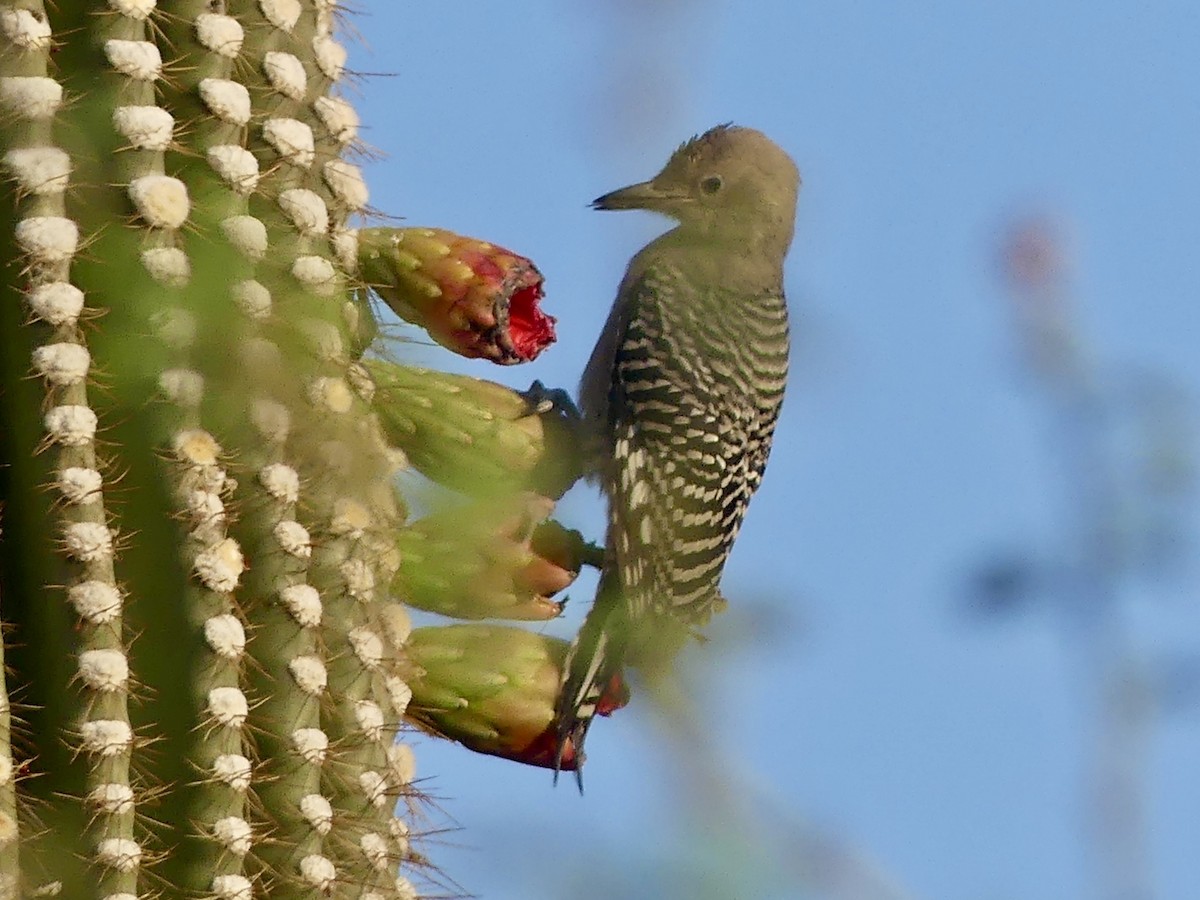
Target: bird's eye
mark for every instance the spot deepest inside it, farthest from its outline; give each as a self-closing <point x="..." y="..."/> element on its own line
<point x="711" y="184"/>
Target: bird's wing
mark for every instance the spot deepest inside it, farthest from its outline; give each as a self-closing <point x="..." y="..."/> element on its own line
<point x="682" y="458"/>
<point x="675" y="452"/>
<point x="687" y="415"/>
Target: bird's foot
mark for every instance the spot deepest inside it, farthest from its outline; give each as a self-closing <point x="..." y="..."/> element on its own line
<point x="542" y="400"/>
<point x="593" y="555"/>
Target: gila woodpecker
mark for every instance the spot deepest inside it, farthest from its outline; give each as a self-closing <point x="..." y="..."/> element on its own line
<point x="680" y="399"/>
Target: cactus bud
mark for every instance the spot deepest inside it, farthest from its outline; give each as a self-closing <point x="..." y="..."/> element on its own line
<point x="493" y="689"/>
<point x="491" y="559"/>
<point x="475" y="298"/>
<point x="475" y="436"/>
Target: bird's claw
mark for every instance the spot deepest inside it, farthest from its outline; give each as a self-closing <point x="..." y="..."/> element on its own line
<point x="593" y="555"/>
<point x="541" y="400"/>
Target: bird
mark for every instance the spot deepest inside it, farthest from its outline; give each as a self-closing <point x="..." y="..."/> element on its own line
<point x="678" y="406"/>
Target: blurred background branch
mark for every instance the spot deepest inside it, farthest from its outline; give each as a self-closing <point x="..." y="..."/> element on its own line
<point x="1124" y="463"/>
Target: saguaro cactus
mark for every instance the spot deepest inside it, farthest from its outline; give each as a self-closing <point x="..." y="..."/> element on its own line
<point x="197" y="498"/>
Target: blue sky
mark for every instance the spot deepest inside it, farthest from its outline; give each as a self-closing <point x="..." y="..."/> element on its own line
<point x="849" y="693"/>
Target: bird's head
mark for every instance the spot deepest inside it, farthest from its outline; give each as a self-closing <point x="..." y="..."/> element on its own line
<point x="729" y="181"/>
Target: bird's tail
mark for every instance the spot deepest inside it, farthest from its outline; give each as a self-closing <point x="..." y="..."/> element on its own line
<point x="592" y="680"/>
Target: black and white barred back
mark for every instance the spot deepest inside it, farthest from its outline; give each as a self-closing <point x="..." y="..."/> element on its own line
<point x="697" y="382"/>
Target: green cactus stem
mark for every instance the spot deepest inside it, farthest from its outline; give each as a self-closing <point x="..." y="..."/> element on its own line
<point x="196" y="492"/>
<point x="203" y="552"/>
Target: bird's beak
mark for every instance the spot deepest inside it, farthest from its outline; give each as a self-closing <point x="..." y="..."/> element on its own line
<point x="638" y="196"/>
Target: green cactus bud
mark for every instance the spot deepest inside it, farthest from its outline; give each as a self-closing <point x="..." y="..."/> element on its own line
<point x="491" y="559"/>
<point x="493" y="689"/>
<point x="475" y="436"/>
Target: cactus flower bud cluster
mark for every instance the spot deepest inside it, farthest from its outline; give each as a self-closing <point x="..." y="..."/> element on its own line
<point x="494" y="555"/>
